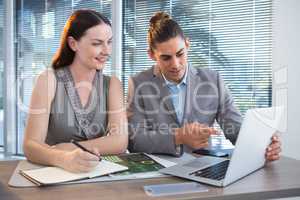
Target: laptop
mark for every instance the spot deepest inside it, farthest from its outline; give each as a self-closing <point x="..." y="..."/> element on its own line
<point x="248" y="156"/>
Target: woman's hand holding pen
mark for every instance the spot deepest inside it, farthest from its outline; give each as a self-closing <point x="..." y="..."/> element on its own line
<point x="78" y="160"/>
<point x="70" y="147"/>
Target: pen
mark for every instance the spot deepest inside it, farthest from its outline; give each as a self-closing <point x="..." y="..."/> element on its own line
<point x="83" y="148"/>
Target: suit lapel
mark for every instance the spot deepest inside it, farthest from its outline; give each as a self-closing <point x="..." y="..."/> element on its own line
<point x="192" y="82"/>
<point x="165" y="96"/>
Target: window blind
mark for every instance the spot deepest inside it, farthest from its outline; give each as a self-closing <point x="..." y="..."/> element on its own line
<point x="1" y="69"/>
<point x="136" y="20"/>
<point x="232" y="37"/>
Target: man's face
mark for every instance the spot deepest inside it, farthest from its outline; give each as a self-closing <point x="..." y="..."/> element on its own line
<point x="171" y="58"/>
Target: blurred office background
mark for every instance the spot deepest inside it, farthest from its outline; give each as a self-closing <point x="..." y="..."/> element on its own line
<point x="252" y="43"/>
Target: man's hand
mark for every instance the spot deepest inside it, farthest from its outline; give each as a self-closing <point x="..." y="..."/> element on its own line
<point x="194" y="135"/>
<point x="274" y="149"/>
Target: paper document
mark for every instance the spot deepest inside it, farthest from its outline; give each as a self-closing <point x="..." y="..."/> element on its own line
<point x="139" y="164"/>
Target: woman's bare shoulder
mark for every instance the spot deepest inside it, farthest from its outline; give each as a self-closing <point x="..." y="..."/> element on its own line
<point x="46" y="83"/>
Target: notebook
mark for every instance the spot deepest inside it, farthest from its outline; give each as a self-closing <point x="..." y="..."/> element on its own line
<point x="54" y="175"/>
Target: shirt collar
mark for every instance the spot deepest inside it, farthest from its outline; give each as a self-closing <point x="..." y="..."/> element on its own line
<point x="171" y="83"/>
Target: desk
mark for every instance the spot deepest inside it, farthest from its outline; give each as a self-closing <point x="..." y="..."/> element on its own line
<point x="276" y="180"/>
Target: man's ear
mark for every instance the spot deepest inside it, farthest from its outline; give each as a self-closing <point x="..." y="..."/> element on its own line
<point x="187" y="43"/>
<point x="151" y="54"/>
<point x="72" y="43"/>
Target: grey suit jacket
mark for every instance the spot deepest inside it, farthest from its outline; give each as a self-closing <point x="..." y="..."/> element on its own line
<point x="152" y="117"/>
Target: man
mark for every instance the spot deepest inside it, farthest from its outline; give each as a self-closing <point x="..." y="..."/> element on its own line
<point x="173" y="105"/>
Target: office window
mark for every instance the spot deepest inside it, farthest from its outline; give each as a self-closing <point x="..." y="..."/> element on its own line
<point x="136" y="19"/>
<point x="1" y="69"/>
<point x="39" y="25"/>
<point x="232" y="37"/>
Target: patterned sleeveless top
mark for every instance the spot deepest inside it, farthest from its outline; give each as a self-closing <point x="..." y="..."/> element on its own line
<point x="68" y="118"/>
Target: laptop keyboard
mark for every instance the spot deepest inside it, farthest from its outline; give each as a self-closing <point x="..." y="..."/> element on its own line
<point x="216" y="172"/>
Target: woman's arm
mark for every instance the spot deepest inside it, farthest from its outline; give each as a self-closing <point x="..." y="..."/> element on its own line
<point x="34" y="146"/>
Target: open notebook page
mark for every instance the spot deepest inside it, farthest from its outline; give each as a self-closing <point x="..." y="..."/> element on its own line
<point x="52" y="175"/>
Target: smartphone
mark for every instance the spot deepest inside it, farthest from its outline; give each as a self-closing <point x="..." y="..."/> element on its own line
<point x="174" y="188"/>
<point x="208" y="152"/>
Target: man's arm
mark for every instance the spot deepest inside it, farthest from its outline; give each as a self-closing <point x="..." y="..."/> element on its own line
<point x="228" y="116"/>
<point x="230" y="121"/>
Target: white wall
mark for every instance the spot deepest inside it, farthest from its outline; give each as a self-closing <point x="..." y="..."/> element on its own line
<point x="286" y="69"/>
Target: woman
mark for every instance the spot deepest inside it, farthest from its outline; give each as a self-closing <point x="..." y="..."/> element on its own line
<point x="75" y="101"/>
